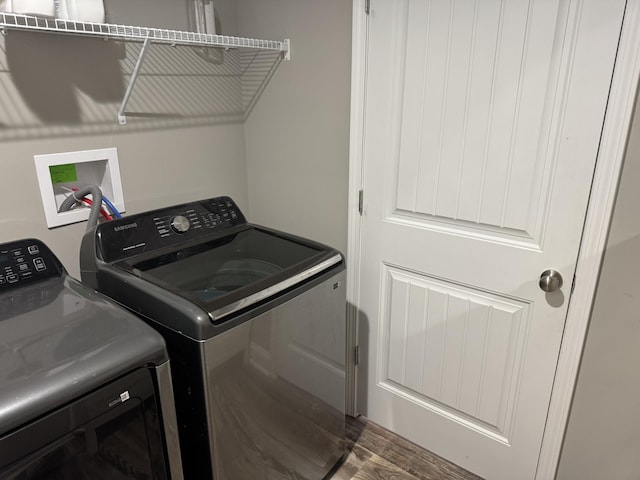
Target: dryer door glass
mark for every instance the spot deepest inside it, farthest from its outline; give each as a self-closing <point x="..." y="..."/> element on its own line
<point x="82" y="455"/>
<point x="122" y="442"/>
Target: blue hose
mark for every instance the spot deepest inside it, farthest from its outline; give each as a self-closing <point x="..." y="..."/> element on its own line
<point x="111" y="206"/>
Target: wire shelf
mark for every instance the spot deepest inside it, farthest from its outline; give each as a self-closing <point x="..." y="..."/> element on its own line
<point x="148" y="36"/>
<point x="133" y="33"/>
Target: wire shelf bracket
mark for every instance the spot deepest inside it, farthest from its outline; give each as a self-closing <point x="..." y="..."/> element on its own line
<point x="122" y="118"/>
<point x="146" y="35"/>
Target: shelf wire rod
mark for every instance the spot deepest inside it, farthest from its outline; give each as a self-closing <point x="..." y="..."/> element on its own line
<point x="122" y="118"/>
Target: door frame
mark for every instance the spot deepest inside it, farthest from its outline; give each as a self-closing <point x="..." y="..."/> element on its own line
<point x="609" y="161"/>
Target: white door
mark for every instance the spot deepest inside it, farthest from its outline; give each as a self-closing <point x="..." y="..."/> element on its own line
<point x="482" y="124"/>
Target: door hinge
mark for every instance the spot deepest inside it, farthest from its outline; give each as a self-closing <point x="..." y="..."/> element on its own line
<point x="367" y="6"/>
<point x="356" y="355"/>
<point x="360" y="201"/>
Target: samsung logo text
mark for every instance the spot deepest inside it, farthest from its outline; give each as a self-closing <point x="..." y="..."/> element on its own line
<point x="125" y="227"/>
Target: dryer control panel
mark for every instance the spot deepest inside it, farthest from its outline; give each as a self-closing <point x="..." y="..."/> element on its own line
<point x="25" y="261"/>
<point x="144" y="232"/>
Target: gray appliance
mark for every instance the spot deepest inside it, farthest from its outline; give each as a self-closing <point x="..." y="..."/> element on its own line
<point x="254" y="320"/>
<point x="85" y="386"/>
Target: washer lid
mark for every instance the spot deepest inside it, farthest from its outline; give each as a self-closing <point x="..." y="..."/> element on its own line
<point x="226" y="274"/>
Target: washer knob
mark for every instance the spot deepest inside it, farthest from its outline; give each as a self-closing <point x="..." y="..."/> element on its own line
<point x="180" y="224"/>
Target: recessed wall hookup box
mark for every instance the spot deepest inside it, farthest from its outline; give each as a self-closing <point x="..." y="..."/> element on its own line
<point x="59" y="172"/>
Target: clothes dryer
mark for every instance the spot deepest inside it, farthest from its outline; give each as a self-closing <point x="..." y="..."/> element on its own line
<point x="85" y="386"/>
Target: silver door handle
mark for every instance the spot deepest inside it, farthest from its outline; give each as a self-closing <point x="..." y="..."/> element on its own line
<point x="550" y="280"/>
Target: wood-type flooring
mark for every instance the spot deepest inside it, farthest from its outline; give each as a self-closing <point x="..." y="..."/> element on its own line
<point x="378" y="454"/>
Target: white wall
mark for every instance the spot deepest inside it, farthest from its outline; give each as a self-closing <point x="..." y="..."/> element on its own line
<point x="298" y="134"/>
<point x="603" y="435"/>
<point x="60" y="93"/>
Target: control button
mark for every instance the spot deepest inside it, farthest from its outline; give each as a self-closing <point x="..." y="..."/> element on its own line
<point x="2" y="280"/>
<point x="33" y="249"/>
<point x="23" y="267"/>
<point x="39" y="264"/>
<point x="12" y="278"/>
<point x="180" y="224"/>
<point x="20" y="260"/>
<point x="17" y="253"/>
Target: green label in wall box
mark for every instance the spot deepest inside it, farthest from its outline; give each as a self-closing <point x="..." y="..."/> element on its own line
<point x="63" y="173"/>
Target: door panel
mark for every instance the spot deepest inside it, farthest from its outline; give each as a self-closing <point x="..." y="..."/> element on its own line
<point x="482" y="123"/>
<point x="480" y="86"/>
<point x="454" y="350"/>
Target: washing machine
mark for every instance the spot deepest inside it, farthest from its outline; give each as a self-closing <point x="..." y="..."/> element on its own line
<point x="254" y="320"/>
<point x="85" y="386"/>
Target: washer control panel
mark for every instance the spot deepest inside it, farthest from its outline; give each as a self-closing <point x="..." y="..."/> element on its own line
<point x="148" y="231"/>
<point x="24" y="261"/>
<point x="213" y="214"/>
